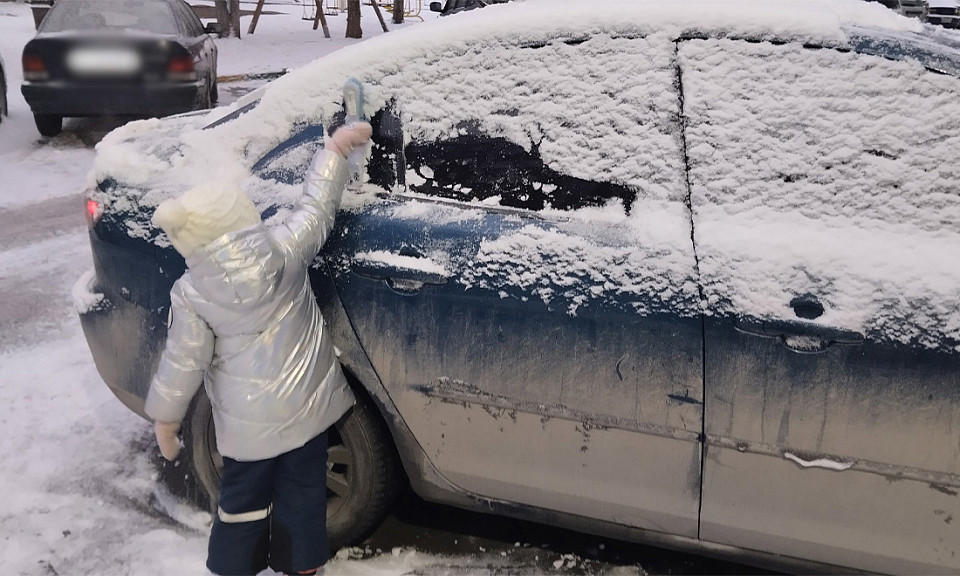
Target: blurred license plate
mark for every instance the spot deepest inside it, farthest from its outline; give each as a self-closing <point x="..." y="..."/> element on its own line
<point x="103" y="61"/>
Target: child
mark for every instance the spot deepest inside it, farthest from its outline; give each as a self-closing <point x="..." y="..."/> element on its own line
<point x="243" y="319"/>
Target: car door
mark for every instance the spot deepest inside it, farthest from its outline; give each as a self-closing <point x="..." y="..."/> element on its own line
<point x="826" y="224"/>
<point x="527" y="292"/>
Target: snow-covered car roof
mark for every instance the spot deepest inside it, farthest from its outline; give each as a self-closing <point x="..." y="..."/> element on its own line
<point x="312" y="92"/>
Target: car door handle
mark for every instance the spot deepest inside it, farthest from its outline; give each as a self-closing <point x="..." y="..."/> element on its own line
<point x="803" y="337"/>
<point x="400" y="278"/>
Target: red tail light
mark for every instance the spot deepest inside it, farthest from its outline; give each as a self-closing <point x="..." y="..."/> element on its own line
<point x="181" y="68"/>
<point x="93" y="212"/>
<point x="34" y="68"/>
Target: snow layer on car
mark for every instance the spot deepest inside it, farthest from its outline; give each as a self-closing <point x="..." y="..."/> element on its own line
<point x="512" y="36"/>
<point x="826" y="173"/>
<point x="312" y="93"/>
<point x="650" y="266"/>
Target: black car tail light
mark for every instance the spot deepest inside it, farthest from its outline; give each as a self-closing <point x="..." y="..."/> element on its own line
<point x="34" y="69"/>
<point x="181" y="69"/>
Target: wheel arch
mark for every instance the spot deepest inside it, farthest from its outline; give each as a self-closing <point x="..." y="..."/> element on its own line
<point x="421" y="474"/>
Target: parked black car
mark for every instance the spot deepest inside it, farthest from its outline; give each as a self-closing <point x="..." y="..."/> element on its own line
<point x="118" y="58"/>
<point x="683" y="273"/>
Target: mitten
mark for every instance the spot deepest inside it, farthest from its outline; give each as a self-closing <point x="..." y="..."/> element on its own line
<point x="348" y="137"/>
<point x="167" y="439"/>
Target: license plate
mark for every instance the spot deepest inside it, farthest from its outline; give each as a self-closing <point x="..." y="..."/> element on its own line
<point x="99" y="61"/>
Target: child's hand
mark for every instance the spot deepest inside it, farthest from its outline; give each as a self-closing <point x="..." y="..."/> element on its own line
<point x="348" y="137"/>
<point x="167" y="439"/>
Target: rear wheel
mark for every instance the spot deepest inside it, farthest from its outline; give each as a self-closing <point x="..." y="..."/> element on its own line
<point x="363" y="477"/>
<point x="48" y="124"/>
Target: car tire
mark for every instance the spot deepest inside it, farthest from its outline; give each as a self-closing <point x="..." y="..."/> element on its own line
<point x="48" y="124"/>
<point x="214" y="94"/>
<point x="363" y="477"/>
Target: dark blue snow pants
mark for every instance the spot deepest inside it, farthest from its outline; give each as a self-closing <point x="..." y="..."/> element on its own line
<point x="272" y="513"/>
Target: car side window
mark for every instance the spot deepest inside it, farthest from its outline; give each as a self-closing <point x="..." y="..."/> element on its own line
<point x="188" y="19"/>
<point x="287" y="162"/>
<point x="563" y="125"/>
<point x="474" y="166"/>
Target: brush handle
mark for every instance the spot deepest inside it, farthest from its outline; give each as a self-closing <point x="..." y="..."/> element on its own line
<point x="353" y="107"/>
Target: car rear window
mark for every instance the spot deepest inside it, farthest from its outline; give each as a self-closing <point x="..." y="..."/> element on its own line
<point x="104" y="15"/>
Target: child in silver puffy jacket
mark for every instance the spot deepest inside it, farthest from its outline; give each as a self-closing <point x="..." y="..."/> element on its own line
<point x="244" y="322"/>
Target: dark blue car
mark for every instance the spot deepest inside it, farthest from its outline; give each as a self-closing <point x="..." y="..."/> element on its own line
<point x="679" y="274"/>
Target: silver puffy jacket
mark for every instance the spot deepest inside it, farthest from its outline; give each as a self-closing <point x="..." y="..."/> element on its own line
<point x="243" y="319"/>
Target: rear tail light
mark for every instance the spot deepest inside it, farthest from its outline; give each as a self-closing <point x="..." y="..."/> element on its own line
<point x="33" y="68"/>
<point x="93" y="212"/>
<point x="180" y="69"/>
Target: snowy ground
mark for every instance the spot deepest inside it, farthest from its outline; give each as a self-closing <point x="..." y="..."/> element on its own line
<point x="79" y="493"/>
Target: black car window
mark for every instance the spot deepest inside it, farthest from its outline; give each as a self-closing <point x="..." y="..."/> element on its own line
<point x="561" y="125"/>
<point x="188" y="19"/>
<point x="78" y="15"/>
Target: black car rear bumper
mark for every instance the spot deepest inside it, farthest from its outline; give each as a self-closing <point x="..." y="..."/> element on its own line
<point x="71" y="99"/>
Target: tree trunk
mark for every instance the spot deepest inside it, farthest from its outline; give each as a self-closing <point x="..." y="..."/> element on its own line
<point x="223" y="17"/>
<point x="353" y="19"/>
<point x="321" y="18"/>
<point x="235" y="18"/>
<point x="398" y="10"/>
<point x="228" y="16"/>
<point x="376" y="8"/>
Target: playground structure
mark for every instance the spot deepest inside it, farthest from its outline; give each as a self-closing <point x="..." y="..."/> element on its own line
<point x="318" y="10"/>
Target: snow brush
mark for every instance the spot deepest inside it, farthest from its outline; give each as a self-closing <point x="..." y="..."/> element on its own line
<point x="353" y="106"/>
